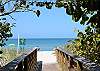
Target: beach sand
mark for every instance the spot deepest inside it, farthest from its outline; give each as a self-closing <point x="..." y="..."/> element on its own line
<point x="48" y="59"/>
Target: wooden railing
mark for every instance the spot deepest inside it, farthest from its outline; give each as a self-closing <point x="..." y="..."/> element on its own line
<point x="25" y="62"/>
<point x="70" y="62"/>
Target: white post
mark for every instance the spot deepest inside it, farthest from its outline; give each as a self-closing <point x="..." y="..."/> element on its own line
<point x="18" y="44"/>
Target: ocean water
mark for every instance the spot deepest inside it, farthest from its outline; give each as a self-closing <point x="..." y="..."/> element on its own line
<point x="45" y="44"/>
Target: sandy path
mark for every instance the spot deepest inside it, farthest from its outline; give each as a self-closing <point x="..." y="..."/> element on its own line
<point x="49" y="60"/>
<point x="48" y="57"/>
<point x="50" y="67"/>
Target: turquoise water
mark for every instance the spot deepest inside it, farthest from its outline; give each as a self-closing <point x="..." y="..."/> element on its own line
<point x="45" y="44"/>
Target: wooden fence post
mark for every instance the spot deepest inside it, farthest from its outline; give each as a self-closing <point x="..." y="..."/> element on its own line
<point x="66" y="62"/>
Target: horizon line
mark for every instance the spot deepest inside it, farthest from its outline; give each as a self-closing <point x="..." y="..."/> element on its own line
<point x="47" y="38"/>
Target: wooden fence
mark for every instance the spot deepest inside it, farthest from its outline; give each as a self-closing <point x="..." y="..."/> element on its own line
<point x="25" y="62"/>
<point x="70" y="62"/>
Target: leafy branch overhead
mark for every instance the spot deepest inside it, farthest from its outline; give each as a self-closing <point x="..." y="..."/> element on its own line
<point x="22" y="6"/>
<point x="85" y="11"/>
<point x="79" y="9"/>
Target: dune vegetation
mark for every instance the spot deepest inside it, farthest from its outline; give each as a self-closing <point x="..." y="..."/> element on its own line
<point x="9" y="54"/>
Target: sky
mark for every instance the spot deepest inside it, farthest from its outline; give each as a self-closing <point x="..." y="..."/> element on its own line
<point x="54" y="23"/>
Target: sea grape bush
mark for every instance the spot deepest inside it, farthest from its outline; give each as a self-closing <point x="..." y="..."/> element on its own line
<point x="87" y="43"/>
<point x="5" y="31"/>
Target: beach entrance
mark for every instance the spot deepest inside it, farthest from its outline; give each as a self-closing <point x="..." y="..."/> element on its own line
<point x="49" y="60"/>
<point x="57" y="60"/>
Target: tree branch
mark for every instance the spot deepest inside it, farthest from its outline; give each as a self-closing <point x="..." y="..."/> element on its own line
<point x="11" y="17"/>
<point x="8" y="13"/>
<point x="4" y="14"/>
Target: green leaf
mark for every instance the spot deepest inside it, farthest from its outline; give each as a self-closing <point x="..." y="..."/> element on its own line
<point x="1" y="52"/>
<point x="38" y="13"/>
<point x="22" y="2"/>
<point x="84" y="19"/>
<point x="3" y="18"/>
<point x="92" y="19"/>
<point x="88" y="29"/>
<point x="82" y="22"/>
<point x="40" y="4"/>
<point x="48" y="7"/>
<point x="80" y="34"/>
<point x="69" y="8"/>
<point x="59" y="4"/>
<point x="2" y="9"/>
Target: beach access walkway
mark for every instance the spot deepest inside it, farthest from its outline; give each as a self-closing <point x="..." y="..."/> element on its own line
<point x="36" y="60"/>
<point x="49" y="60"/>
